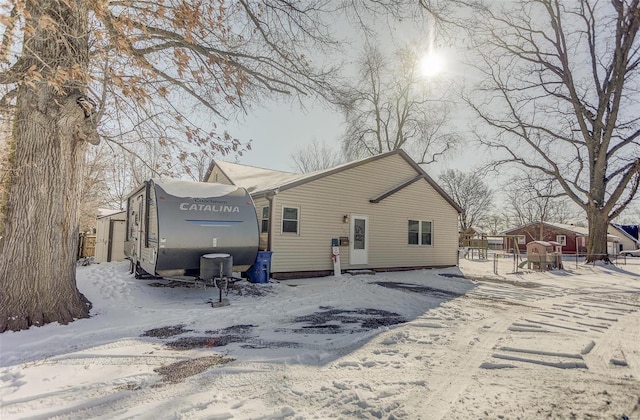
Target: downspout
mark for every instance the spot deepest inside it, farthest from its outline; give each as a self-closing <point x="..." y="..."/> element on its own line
<point x="270" y="199"/>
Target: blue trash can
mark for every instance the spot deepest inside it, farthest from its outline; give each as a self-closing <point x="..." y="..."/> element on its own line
<point x="260" y="270"/>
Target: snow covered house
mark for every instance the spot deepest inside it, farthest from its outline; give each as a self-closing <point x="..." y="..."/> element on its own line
<point x="384" y="211"/>
<point x="627" y="234"/>
<point x="572" y="238"/>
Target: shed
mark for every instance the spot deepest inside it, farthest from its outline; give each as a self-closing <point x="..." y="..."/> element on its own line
<point x="543" y="255"/>
<point x="110" y="235"/>
<point x="384" y="213"/>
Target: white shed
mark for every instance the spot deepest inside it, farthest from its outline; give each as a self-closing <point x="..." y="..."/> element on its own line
<point x="110" y="234"/>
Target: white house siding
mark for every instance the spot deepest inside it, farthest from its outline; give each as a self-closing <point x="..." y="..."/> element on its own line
<point x="217" y="176"/>
<point x="325" y="201"/>
<point x="626" y="242"/>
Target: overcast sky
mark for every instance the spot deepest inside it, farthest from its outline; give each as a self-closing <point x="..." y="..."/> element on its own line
<point x="280" y="128"/>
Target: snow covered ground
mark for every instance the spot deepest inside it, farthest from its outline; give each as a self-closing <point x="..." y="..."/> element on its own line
<point x="433" y="344"/>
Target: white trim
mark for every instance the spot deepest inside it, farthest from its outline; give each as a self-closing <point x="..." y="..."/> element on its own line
<point x="262" y="219"/>
<point x="420" y="232"/>
<point x="282" y="232"/>
<point x="358" y="256"/>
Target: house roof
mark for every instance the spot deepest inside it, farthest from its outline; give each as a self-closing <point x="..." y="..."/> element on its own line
<point x="261" y="182"/>
<point x="627" y="230"/>
<point x="578" y="230"/>
<point x="478" y="230"/>
<point x="546" y="243"/>
<point x="250" y="177"/>
<point x="107" y="212"/>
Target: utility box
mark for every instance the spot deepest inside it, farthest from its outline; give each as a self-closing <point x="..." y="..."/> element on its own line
<point x="216" y="266"/>
<point x="335" y="256"/>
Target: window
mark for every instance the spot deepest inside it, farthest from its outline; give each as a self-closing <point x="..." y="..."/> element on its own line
<point x="521" y="239"/>
<point x="290" y="219"/>
<point x="561" y="239"/>
<point x="265" y="220"/>
<point x="425" y="233"/>
<point x="420" y="232"/>
<point x="359" y="232"/>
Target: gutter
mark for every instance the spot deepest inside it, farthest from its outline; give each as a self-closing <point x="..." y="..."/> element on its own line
<point x="270" y="196"/>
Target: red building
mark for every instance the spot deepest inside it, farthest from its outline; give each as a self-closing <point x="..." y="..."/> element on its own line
<point x="573" y="238"/>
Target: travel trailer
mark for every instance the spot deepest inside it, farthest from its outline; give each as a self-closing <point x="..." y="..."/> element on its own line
<point x="174" y="225"/>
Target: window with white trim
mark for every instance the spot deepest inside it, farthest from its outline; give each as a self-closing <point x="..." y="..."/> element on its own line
<point x="420" y="232"/>
<point x="290" y="219"/>
<point x="264" y="228"/>
<point x="521" y="239"/>
<point x="561" y="239"/>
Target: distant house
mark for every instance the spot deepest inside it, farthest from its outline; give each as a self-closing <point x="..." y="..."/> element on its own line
<point x="627" y="234"/>
<point x="495" y="243"/>
<point x="384" y="211"/>
<point x="573" y="238"/>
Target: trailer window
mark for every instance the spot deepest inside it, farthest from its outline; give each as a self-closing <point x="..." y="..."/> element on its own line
<point x="290" y="219"/>
<point x="151" y="218"/>
<point x="265" y="220"/>
<point x="138" y="214"/>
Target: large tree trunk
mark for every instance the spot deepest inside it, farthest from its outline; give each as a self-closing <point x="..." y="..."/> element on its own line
<point x="38" y="253"/>
<point x="597" y="243"/>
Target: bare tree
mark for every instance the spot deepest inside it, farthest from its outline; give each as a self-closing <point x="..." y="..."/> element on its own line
<point x="469" y="191"/>
<point x="536" y="202"/>
<point x="560" y="97"/>
<point x="4" y="161"/>
<point x="77" y="71"/>
<point x="389" y="108"/>
<point x="495" y="223"/>
<point x="94" y="187"/>
<point x="631" y="216"/>
<point x="316" y="156"/>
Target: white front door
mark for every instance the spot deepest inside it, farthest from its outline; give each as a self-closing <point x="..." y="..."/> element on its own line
<point x="359" y="253"/>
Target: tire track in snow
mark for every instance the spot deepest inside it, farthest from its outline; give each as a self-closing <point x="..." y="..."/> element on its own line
<point x="456" y="373"/>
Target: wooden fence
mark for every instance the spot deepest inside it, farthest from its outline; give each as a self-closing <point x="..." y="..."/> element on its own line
<point x="86" y="245"/>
